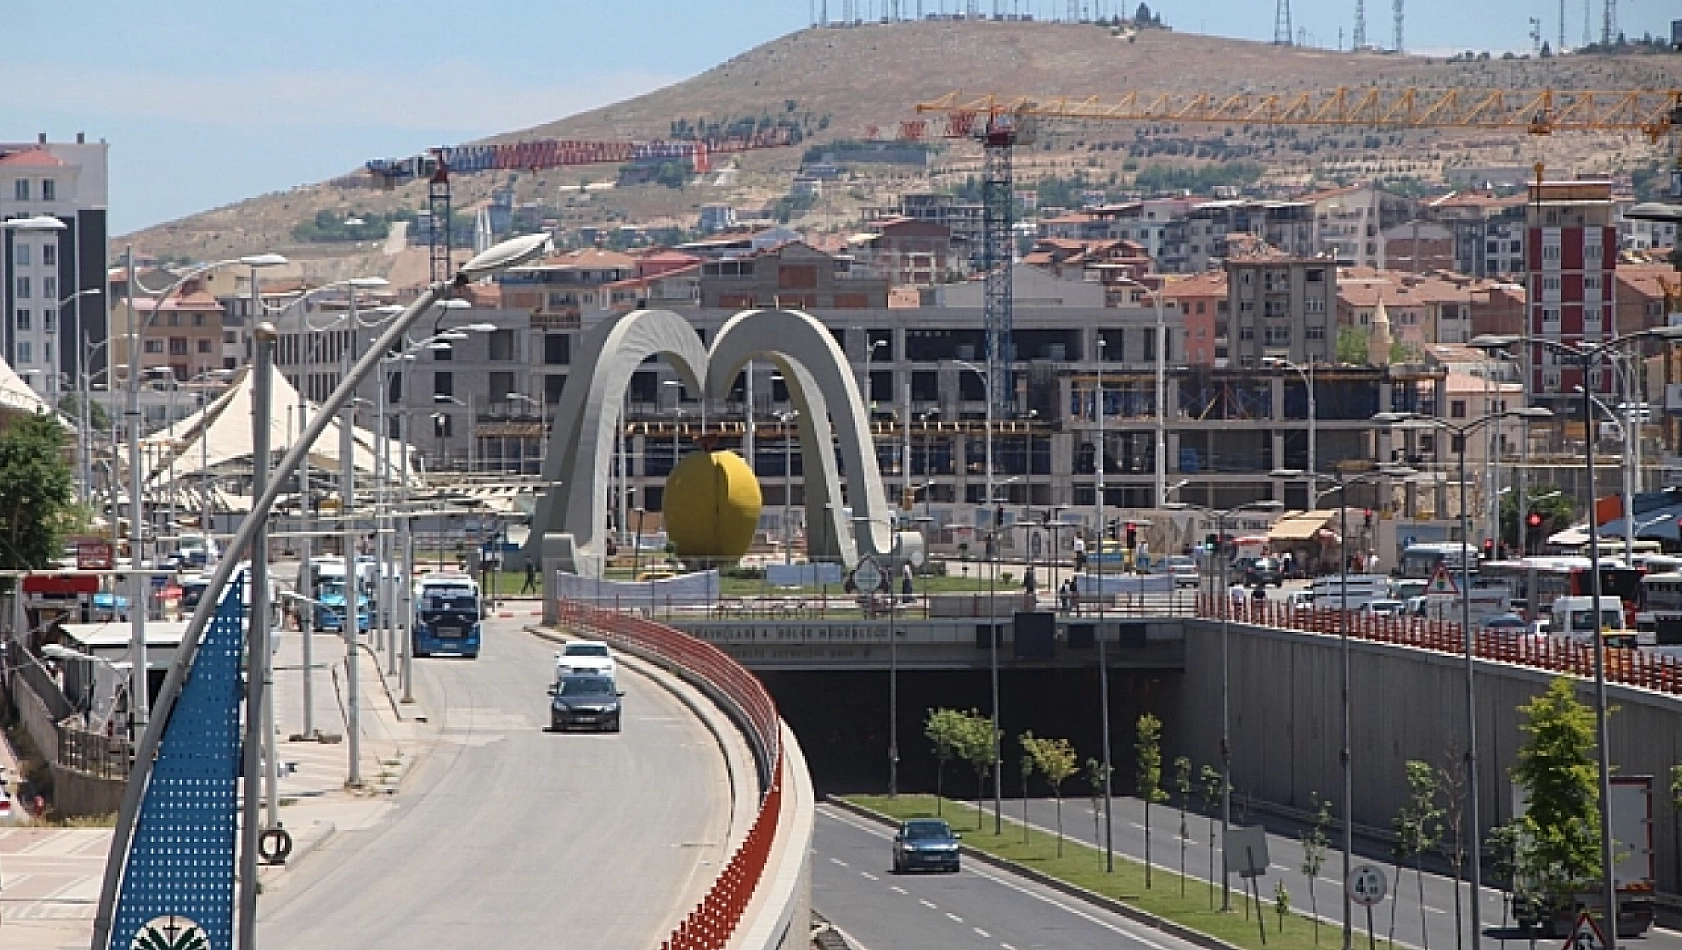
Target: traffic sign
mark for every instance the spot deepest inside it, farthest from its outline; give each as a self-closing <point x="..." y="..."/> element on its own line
<point x="1366" y="885"/>
<point x="94" y="556"/>
<point x="867" y="575"/>
<point x="1586" y="935"/>
<point x="1442" y="582"/>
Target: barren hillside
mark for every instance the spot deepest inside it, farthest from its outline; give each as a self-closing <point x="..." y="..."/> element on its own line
<point x="840" y="82"/>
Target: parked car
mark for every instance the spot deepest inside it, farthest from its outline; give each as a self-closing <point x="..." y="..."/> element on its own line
<point x="1383" y="608"/>
<point x="585" y="700"/>
<point x="925" y="843"/>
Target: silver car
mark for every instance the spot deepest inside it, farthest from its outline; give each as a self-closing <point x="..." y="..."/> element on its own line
<point x="1183" y="569"/>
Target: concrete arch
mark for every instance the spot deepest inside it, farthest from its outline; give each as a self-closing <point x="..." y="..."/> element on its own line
<point x="822" y="387"/>
<point x="570" y="523"/>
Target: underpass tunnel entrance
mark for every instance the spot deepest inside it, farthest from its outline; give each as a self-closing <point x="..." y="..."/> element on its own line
<point x="841" y="719"/>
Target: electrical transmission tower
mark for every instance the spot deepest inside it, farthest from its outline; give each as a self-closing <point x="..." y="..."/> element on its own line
<point x="1396" y="9"/>
<point x="1282" y="23"/>
<point x="1561" y="28"/>
<point x="1359" y="39"/>
<point x="1608" y="22"/>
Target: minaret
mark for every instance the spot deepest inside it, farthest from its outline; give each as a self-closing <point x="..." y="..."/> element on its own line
<point x="1378" y="341"/>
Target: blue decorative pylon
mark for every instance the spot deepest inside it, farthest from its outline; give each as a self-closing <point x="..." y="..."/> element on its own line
<point x="178" y="886"/>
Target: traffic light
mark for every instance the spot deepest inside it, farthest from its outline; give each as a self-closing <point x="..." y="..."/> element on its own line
<point x="1368" y="516"/>
<point x="1489" y="549"/>
<point x="1535" y="520"/>
<point x="1132" y="536"/>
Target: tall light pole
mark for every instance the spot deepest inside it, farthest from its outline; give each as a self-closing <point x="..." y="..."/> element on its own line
<point x="1098" y="591"/>
<point x="785" y="416"/>
<point x="992" y="594"/>
<point x="1462" y="434"/>
<point x="1308" y="385"/>
<point x="1340" y="486"/>
<point x="139" y="581"/>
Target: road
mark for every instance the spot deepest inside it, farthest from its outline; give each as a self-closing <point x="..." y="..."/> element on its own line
<point x="976" y="908"/>
<point x="510" y="833"/>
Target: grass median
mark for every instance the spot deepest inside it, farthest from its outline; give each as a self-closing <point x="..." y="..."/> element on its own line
<point x="1186" y="901"/>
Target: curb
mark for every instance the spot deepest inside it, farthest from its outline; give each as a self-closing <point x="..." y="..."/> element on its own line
<point x="1196" y="937"/>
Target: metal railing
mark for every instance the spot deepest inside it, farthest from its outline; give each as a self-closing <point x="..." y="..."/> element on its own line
<point x="710" y="925"/>
<point x="94" y="753"/>
<point x="1636" y="668"/>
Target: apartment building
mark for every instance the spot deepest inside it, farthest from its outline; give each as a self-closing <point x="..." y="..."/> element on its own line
<point x="181" y="336"/>
<point x="1572" y="244"/>
<point x="1488" y="231"/>
<point x="50" y="280"/>
<point x="1214" y="231"/>
<point x="1201" y="301"/>
<point x="1417" y="247"/>
<point x="1280" y="306"/>
<point x="1348" y="222"/>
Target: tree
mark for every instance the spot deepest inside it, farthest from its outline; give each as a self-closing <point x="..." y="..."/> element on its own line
<point x="1418" y="827"/>
<point x="1452" y="778"/>
<point x="1546" y="500"/>
<point x="1182" y="785"/>
<point x="1027" y="765"/>
<point x="36" y="493"/>
<point x="98" y="419"/>
<point x="1314" y="847"/>
<point x="976" y="744"/>
<point x="1282" y="902"/>
<point x="1559" y="834"/>
<point x="1209" y="789"/>
<point x="1148" y="750"/>
<point x="1351" y="347"/>
<point x="1097" y="778"/>
<point x="1055" y="758"/>
<point x="944" y="728"/>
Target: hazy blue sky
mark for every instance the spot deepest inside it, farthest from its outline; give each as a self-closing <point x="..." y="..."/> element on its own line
<point x="206" y="102"/>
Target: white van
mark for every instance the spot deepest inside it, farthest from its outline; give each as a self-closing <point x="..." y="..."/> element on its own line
<point x="1573" y="617"/>
<point x="1363" y="589"/>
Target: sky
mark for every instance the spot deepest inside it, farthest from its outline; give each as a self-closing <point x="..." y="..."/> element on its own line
<point x="206" y="103"/>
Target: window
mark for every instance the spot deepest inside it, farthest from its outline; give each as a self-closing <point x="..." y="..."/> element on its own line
<point x="20" y="189"/>
<point x="557" y="349"/>
<point x="1550" y="285"/>
<point x="204" y="346"/>
<point x="501" y="385"/>
<point x="21" y="321"/>
<point x="23" y="352"/>
<point x="1314" y="333"/>
<point x="443" y="384"/>
<point x="552" y="386"/>
<point x="47" y="351"/>
<point x="177" y="346"/>
<point x="20" y="254"/>
<point x="198" y="319"/>
<point x="49" y="255"/>
<point x="49" y="288"/>
<point x="1457" y="409"/>
<point x="445" y="353"/>
<point x="49" y="321"/>
<point x="1277" y="336"/>
<point x="153" y="346"/>
<point x="1314" y="305"/>
<point x="49" y="190"/>
<point x="1550" y="252"/>
<point x="501" y="346"/>
<point x="23" y="288"/>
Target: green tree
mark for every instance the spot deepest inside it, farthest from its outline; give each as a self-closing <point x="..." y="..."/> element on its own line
<point x="944" y="729"/>
<point x="976" y="745"/>
<point x="1545" y="500"/>
<point x="1209" y="790"/>
<point x="1558" y="836"/>
<point x="98" y="419"/>
<point x="1314" y="847"/>
<point x="1097" y="777"/>
<point x="1418" y="828"/>
<point x="36" y="493"/>
<point x="1055" y="758"/>
<point x="1182" y="786"/>
<point x="1281" y="903"/>
<point x="1351" y="347"/>
<point x="1148" y="750"/>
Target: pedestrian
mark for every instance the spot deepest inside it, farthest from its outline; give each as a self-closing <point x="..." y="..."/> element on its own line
<point x="1030" y="594"/>
<point x="905" y="587"/>
<point x="1074" y="594"/>
<point x="1063" y="596"/>
<point x="1080" y="553"/>
<point x="530" y="586"/>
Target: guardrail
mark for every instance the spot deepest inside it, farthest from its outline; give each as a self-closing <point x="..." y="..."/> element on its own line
<point x="94" y="753"/>
<point x="711" y="923"/>
<point x="1636" y="668"/>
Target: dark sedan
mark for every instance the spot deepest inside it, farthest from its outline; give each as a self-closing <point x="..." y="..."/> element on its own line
<point x="925" y="843"/>
<point x="584" y="701"/>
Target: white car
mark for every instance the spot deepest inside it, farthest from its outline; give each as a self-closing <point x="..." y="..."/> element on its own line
<point x="585" y="656"/>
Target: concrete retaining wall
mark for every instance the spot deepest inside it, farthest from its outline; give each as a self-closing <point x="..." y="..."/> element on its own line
<point x="78" y="793"/>
<point x="1407" y="704"/>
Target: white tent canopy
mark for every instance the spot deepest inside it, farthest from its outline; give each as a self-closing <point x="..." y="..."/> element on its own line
<point x="17" y="396"/>
<point x="221" y="432"/>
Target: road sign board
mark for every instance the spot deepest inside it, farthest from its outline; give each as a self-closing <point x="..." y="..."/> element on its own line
<point x="1246" y="851"/>
<point x="1586" y="935"/>
<point x="1442" y="582"/>
<point x="94" y="556"/>
<point x="1366" y="885"/>
<point x="867" y="575"/>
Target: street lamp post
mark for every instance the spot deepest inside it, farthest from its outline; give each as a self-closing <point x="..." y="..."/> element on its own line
<point x="1462" y="434"/>
<point x="139" y="582"/>
<point x="992" y="593"/>
<point x="1308" y="384"/>
<point x="1586" y="357"/>
<point x="784" y="417"/>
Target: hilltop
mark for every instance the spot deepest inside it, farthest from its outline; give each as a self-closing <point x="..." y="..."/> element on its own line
<point x="839" y="83"/>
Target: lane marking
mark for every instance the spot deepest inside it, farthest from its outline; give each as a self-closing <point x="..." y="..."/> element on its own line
<point x="869" y="876"/>
<point x="1006" y="946"/>
<point x="927" y="904"/>
<point x="896" y="889"/>
<point x="838" y="861"/>
<point x="954" y="917"/>
<point x="981" y="933"/>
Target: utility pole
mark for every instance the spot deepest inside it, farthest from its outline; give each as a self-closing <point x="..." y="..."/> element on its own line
<point x="352" y="621"/>
<point x="257" y="639"/>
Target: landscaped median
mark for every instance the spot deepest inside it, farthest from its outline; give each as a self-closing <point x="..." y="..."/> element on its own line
<point x="1186" y="907"/>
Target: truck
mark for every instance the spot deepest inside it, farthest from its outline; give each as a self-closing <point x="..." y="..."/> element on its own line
<point x="1573" y="617"/>
<point x="1553" y="915"/>
<point x="447" y="617"/>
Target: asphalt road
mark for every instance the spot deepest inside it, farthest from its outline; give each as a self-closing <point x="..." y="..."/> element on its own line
<point x="975" y="908"/>
<point x="512" y="835"/>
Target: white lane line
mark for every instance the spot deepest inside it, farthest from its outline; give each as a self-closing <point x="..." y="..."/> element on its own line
<point x="852" y="941"/>
<point x="954" y="917"/>
<point x="896" y="889"/>
<point x="869" y="876"/>
<point x="838" y="861"/>
<point x="981" y="933"/>
<point x="1006" y="946"/>
<point x="1060" y="905"/>
<point x="927" y="904"/>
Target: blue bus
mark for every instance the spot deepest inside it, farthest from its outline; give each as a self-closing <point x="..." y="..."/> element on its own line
<point x="330" y="606"/>
<point x="447" y="615"/>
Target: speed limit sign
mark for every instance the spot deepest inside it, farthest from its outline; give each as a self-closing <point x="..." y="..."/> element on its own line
<point x="1366" y="885"/>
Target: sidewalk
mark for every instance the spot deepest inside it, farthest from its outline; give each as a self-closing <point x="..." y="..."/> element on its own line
<point x="50" y="877"/>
